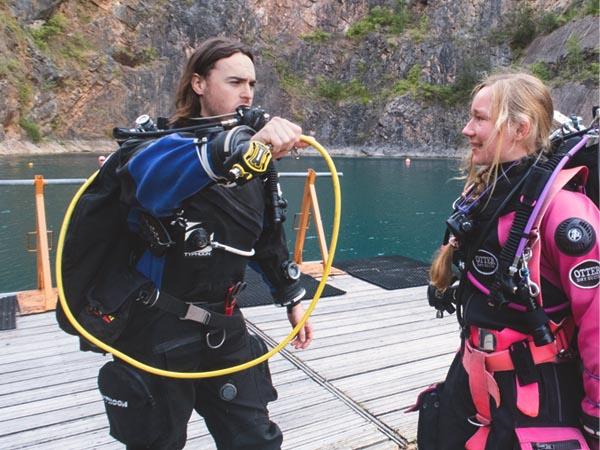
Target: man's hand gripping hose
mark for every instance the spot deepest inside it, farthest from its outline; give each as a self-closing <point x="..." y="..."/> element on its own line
<point x="213" y="373"/>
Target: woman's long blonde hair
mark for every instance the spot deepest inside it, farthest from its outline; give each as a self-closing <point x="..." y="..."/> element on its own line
<point x="516" y="98"/>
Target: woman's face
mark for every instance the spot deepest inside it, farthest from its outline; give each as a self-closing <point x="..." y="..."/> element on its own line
<point x="483" y="137"/>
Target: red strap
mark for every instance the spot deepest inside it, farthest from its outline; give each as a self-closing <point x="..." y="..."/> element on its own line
<point x="479" y="439"/>
<point x="480" y="367"/>
<point x="481" y="383"/>
<point x="475" y="366"/>
<point x="528" y="399"/>
<point x="501" y="361"/>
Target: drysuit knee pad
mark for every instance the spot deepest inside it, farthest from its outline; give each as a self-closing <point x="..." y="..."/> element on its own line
<point x="131" y="404"/>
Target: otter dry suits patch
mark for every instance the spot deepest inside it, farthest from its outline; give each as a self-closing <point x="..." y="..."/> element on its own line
<point x="485" y="262"/>
<point x="586" y="274"/>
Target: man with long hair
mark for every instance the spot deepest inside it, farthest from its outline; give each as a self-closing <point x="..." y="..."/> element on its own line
<point x="207" y="196"/>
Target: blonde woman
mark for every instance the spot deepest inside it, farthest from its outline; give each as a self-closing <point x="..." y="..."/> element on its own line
<point x="522" y="251"/>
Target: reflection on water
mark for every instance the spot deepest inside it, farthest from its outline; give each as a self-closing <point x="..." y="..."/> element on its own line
<point x="387" y="207"/>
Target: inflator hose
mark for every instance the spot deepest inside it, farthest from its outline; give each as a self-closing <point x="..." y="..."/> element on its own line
<point x="213" y="373"/>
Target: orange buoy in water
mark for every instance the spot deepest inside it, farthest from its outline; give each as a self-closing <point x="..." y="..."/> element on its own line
<point x="407" y="162"/>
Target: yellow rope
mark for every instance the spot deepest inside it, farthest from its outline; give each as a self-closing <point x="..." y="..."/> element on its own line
<point x="213" y="373"/>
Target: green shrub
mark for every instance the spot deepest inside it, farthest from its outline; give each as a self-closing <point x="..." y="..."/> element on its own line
<point x="317" y="36"/>
<point x="523" y="27"/>
<point x="541" y="70"/>
<point x="75" y="47"/>
<point x="290" y="82"/>
<point x="330" y="89"/>
<point x="148" y="54"/>
<point x="53" y="27"/>
<point x="380" y="19"/>
<point x="410" y="83"/>
<point x="592" y="7"/>
<point x="9" y="67"/>
<point x="31" y="128"/>
<point x="419" y="32"/>
<point x="448" y="94"/>
<point x="592" y="72"/>
<point x="336" y="91"/>
<point x="356" y="90"/>
<point x="549" y="22"/>
<point x="24" y="93"/>
<point x="574" y="57"/>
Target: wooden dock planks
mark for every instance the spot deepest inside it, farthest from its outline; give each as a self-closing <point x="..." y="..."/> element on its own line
<point x="374" y="351"/>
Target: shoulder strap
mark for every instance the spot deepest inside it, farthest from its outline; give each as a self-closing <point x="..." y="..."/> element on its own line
<point x="563" y="178"/>
<point x="536" y="189"/>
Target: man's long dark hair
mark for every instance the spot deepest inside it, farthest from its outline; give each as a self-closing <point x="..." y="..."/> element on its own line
<point x="202" y="61"/>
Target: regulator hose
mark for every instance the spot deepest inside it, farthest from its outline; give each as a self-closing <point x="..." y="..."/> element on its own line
<point x="213" y="373"/>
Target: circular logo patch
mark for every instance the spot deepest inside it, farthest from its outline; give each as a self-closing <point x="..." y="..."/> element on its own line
<point x="485" y="262"/>
<point x="586" y="274"/>
<point x="574" y="234"/>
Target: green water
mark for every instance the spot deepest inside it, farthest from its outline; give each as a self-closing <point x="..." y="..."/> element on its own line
<point x="387" y="208"/>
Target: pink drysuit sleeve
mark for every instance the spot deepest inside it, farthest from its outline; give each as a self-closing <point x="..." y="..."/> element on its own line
<point x="569" y="264"/>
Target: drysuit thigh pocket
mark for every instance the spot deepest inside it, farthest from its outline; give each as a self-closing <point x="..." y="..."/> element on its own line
<point x="130" y="400"/>
<point x="563" y="438"/>
<point x="428" y="404"/>
<point x="263" y="374"/>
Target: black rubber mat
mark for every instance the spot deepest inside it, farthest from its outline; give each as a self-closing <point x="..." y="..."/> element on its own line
<point x="8" y="313"/>
<point x="388" y="272"/>
<point x="257" y="292"/>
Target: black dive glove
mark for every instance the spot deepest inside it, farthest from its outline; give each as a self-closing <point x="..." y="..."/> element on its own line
<point x="442" y="300"/>
<point x="236" y="158"/>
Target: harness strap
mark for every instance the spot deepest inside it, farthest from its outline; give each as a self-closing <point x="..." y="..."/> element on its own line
<point x="481" y="366"/>
<point x="528" y="398"/>
<point x="533" y="196"/>
<point x="479" y="439"/>
<point x="563" y="178"/>
<point x="200" y="314"/>
<point x="501" y="361"/>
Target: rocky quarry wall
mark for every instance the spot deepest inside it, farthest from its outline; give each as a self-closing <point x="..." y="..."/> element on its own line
<point x="365" y="76"/>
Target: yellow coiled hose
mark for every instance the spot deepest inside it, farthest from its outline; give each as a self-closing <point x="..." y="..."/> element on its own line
<point x="213" y="373"/>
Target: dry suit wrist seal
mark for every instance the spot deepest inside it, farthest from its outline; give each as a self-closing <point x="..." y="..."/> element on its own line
<point x="290" y="306"/>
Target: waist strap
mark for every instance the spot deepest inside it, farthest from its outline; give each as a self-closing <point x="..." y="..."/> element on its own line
<point x="501" y="361"/>
<point x="200" y="314"/>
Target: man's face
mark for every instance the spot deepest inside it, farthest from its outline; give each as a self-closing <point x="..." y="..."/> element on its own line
<point x="228" y="85"/>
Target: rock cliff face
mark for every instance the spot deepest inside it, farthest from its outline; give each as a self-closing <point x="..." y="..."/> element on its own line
<point x="381" y="77"/>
